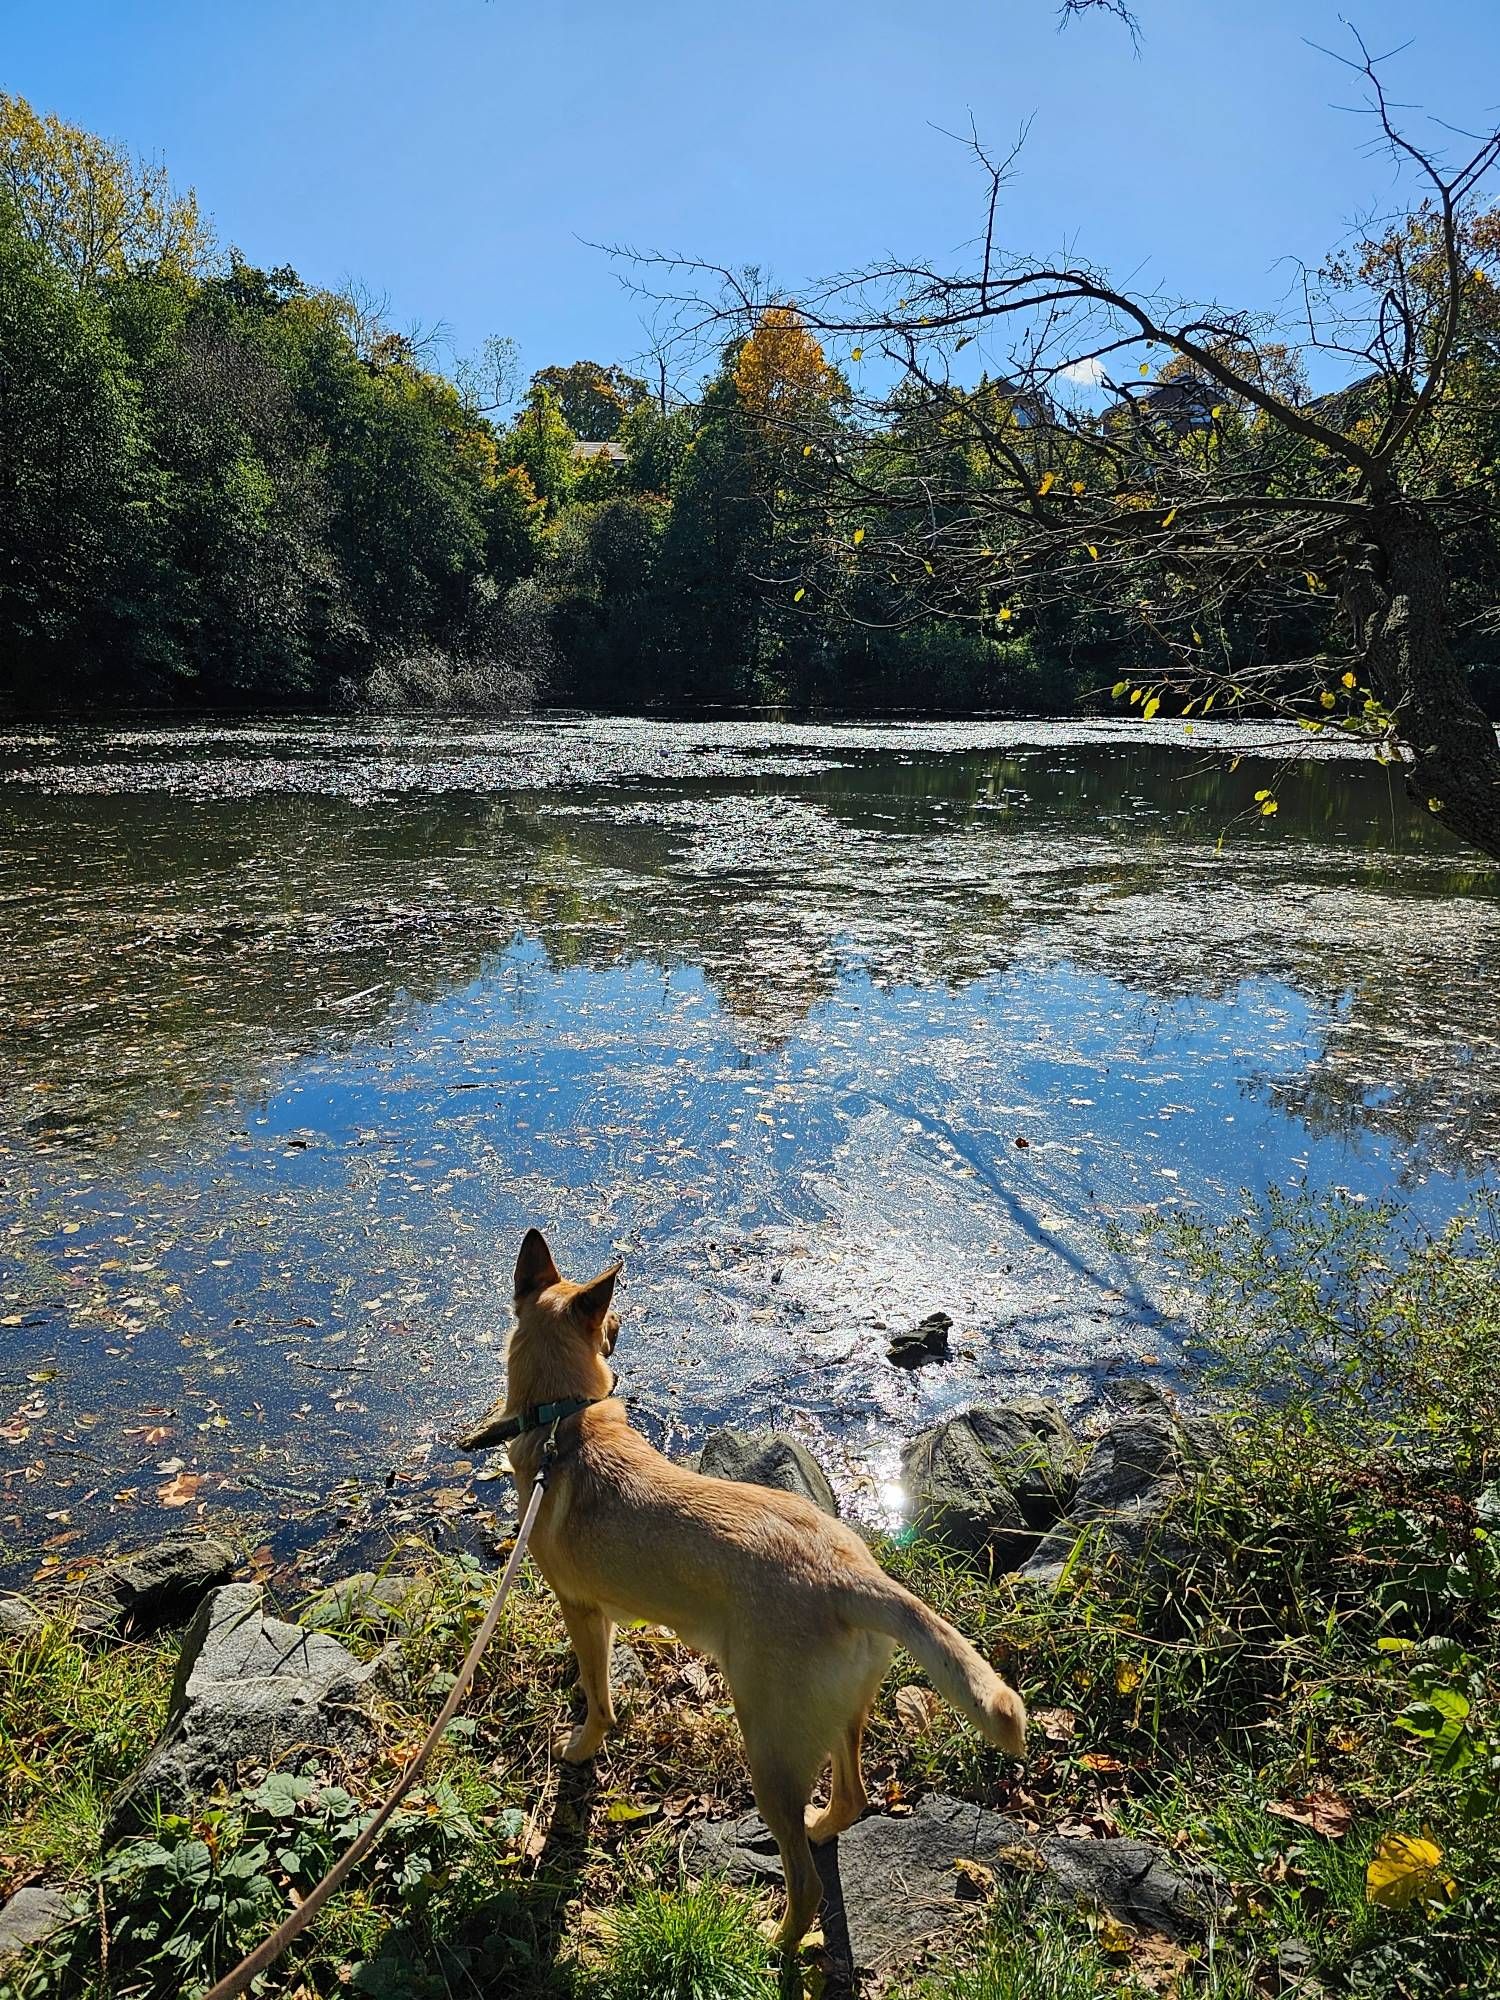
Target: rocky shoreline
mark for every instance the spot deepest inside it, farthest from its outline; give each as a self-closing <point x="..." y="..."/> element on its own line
<point x="1011" y="1487"/>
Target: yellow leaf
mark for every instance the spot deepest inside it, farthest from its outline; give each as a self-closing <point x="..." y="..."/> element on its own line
<point x="1209" y="703"/>
<point x="975" y="1881"/>
<point x="1168" y="519"/>
<point x="1234" y="763"/>
<point x="1077" y="485"/>
<point x="1217" y="411"/>
<point x="807" y="451"/>
<point x="1347" y="680"/>
<point x="1005" y="615"/>
<point x="1113" y="1937"/>
<point x="859" y="535"/>
<point x="1404" y="1871"/>
<point x="1261" y="795"/>
<point x="1093" y="552"/>
<point x="798" y="595"/>
<point x="1434" y="805"/>
<point x="1312" y="581"/>
<point x="1118" y="689"/>
<point x="1151" y="707"/>
<point x="1049" y="480"/>
<point x="1326" y="698"/>
<point x="1145" y="367"/>
<point x="1135" y="695"/>
<point x="856" y="354"/>
<point x="1127" y="1677"/>
<point x="1268" y="808"/>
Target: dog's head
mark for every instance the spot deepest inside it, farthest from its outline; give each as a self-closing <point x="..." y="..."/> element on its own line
<point x="546" y="1303"/>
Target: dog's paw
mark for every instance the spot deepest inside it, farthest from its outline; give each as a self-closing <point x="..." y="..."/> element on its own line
<point x="583" y="1745"/>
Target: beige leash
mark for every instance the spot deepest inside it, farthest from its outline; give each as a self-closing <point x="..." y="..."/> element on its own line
<point x="237" y="1982"/>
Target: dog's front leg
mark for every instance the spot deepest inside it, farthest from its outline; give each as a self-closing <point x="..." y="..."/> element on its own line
<point x="593" y="1637"/>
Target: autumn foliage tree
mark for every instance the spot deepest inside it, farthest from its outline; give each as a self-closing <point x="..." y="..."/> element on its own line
<point x="91" y="207"/>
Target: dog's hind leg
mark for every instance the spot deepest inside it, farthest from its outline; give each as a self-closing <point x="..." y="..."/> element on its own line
<point x="790" y="1717"/>
<point x="593" y="1637"/>
<point x="848" y="1797"/>
<point x="781" y="1787"/>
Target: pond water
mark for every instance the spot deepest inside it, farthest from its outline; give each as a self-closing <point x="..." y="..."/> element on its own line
<point x="821" y="1028"/>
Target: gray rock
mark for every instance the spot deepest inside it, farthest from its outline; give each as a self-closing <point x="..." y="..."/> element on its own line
<point x="372" y="1603"/>
<point x="19" y="1618"/>
<point x="898" y="1887"/>
<point x="767" y="1458"/>
<point x="991" y="1479"/>
<point x="148" y="1588"/>
<point x="246" y="1687"/>
<point x="927" y="1342"/>
<point x="628" y="1676"/>
<point x="1134" y="1473"/>
<point x="30" y="1918"/>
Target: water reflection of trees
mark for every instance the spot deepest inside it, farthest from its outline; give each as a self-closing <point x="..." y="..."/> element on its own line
<point x="162" y="952"/>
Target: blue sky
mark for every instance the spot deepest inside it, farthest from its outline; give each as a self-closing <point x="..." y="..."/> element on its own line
<point x="460" y="155"/>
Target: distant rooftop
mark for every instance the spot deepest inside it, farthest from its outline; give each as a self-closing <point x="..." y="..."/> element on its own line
<point x="609" y="448"/>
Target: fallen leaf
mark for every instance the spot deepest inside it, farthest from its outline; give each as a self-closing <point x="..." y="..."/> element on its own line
<point x="917" y="1708"/>
<point x="1112" y="1936"/>
<point x="1324" y="1812"/>
<point x="1058" y="1725"/>
<point x="180" y="1490"/>
<point x="1158" y="1962"/>
<point x="975" y="1881"/>
<point x="1025" y="1860"/>
<point x="1406" y="1870"/>
<point x="1099" y="1760"/>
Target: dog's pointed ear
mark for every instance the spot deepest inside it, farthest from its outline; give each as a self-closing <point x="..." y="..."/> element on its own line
<point x="592" y="1303"/>
<point x="535" y="1270"/>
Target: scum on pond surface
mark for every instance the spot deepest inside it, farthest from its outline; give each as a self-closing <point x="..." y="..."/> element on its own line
<point x="304" y="1023"/>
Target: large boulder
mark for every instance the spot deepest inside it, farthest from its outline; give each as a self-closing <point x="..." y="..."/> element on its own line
<point x="31" y="1917"/>
<point x="894" y="1882"/>
<point x="146" y="1589"/>
<point x="767" y="1458"/>
<point x="1134" y="1473"/>
<point x="247" y="1687"/>
<point x="20" y="1618"/>
<point x="992" y="1479"/>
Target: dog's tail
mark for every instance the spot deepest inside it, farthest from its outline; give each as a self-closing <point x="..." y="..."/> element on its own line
<point x="965" y="1681"/>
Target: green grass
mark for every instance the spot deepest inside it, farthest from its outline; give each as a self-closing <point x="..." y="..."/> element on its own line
<point x="74" y="1723"/>
<point x="687" y="1943"/>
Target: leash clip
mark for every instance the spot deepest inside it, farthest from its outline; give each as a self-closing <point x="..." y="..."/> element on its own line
<point x="549" y="1454"/>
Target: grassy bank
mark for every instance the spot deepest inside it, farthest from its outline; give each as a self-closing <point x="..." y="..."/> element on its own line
<point x="1296" y="1687"/>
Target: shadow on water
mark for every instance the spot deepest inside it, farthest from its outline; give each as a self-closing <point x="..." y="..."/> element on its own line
<point x="821" y="1028"/>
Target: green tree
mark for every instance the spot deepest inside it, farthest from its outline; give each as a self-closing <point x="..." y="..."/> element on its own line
<point x="541" y="443"/>
<point x="655" y="442"/>
<point x="594" y="400"/>
<point x="71" y="494"/>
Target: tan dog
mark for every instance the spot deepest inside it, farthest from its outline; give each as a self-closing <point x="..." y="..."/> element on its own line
<point x="792" y="1605"/>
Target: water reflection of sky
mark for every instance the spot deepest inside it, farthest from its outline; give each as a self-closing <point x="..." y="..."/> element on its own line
<point x="814" y="1081"/>
<point x="319" y="1288"/>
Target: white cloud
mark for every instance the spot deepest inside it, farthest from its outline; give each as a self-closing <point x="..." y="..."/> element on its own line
<point x="1087" y="374"/>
